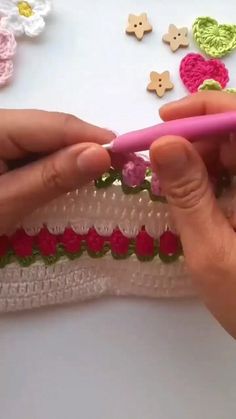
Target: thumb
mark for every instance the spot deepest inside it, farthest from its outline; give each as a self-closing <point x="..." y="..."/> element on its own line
<point x="31" y="186"/>
<point x="205" y="232"/>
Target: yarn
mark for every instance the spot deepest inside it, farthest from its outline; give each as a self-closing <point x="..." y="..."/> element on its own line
<point x="214" y="39"/>
<point x="215" y="85"/>
<point x="134" y="172"/>
<point x="27" y="249"/>
<point x="195" y="69"/>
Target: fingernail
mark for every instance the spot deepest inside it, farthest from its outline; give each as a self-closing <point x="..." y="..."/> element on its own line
<point x="91" y="161"/>
<point x="172" y="157"/>
<point x="111" y="131"/>
<point x="172" y="161"/>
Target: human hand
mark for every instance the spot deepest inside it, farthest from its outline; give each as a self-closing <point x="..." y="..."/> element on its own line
<point x="208" y="238"/>
<point x="73" y="158"/>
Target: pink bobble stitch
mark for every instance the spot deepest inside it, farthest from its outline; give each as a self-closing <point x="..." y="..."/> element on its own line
<point x="144" y="244"/>
<point x="71" y="241"/>
<point x="94" y="241"/>
<point x="47" y="242"/>
<point x="22" y="243"/>
<point x="169" y="243"/>
<point x="119" y="243"/>
<point x="134" y="172"/>
<point x="195" y="69"/>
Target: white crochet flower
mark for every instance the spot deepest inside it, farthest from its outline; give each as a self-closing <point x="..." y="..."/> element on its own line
<point x="24" y="17"/>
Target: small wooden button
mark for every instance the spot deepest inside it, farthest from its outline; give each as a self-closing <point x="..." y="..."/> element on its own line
<point x="138" y="25"/>
<point x="176" y="37"/>
<point x="160" y="83"/>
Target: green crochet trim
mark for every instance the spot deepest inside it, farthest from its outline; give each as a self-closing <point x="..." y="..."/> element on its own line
<point x="113" y="176"/>
<point x="214" y="39"/>
<point x="215" y="85"/>
<point x="25" y="262"/>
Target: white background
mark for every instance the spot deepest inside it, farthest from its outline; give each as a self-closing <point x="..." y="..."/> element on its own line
<point x="112" y="359"/>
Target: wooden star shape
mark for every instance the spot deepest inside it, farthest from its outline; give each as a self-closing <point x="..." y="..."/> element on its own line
<point x="176" y="37"/>
<point x="138" y="25"/>
<point x="160" y="83"/>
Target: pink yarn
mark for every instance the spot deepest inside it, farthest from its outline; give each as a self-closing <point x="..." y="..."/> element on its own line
<point x="169" y="243"/>
<point x="155" y="185"/>
<point x="71" y="241"/>
<point x="6" y="71"/>
<point x="134" y="172"/>
<point x="22" y="243"/>
<point x="119" y="243"/>
<point x="195" y="69"/>
<point x="7" y="44"/>
<point x="7" y="51"/>
<point x="144" y="245"/>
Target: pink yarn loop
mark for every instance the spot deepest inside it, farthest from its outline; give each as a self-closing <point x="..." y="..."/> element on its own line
<point x="195" y="69"/>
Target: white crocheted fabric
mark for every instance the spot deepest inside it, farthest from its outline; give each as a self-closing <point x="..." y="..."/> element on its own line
<point x="90" y="275"/>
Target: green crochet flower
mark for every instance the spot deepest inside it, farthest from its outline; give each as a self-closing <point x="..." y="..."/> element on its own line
<point x="214" y="39"/>
<point x="215" y="85"/>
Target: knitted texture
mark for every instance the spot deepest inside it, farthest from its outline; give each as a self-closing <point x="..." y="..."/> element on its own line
<point x="7" y="51"/>
<point x="24" y="17"/>
<point x="195" y="69"/>
<point x="214" y="39"/>
<point x="215" y="85"/>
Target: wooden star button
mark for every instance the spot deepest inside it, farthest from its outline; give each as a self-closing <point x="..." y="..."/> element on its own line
<point x="160" y="83"/>
<point x="176" y="37"/>
<point x="138" y="25"/>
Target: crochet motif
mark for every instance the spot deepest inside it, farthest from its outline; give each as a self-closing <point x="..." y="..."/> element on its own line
<point x="7" y="51"/>
<point x="214" y="39"/>
<point x="214" y="85"/>
<point x="195" y="69"/>
<point x="25" y="17"/>
<point x="27" y="249"/>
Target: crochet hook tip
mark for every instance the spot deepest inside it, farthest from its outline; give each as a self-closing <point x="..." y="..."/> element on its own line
<point x="107" y="146"/>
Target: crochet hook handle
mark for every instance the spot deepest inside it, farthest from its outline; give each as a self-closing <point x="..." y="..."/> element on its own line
<point x="189" y="128"/>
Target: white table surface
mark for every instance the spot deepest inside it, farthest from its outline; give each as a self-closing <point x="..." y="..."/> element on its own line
<point x="112" y="359"/>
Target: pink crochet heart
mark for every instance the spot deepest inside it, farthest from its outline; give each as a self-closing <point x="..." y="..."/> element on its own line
<point x="195" y="69"/>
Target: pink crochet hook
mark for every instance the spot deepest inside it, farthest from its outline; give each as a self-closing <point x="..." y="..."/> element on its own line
<point x="189" y="128"/>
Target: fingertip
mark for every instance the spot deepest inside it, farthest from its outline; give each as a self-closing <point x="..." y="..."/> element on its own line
<point x="93" y="161"/>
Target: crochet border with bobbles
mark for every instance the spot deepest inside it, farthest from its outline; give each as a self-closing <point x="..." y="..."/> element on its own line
<point x="151" y="264"/>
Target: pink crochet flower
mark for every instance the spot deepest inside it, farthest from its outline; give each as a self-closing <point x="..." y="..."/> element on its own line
<point x="119" y="243"/>
<point x="22" y="243"/>
<point x="195" y="69"/>
<point x="134" y="171"/>
<point x="144" y="244"/>
<point x="94" y="241"/>
<point x="169" y="243"/>
<point x="155" y="185"/>
<point x="7" y="50"/>
<point x="47" y="243"/>
<point x="71" y="241"/>
<point x="4" y="245"/>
